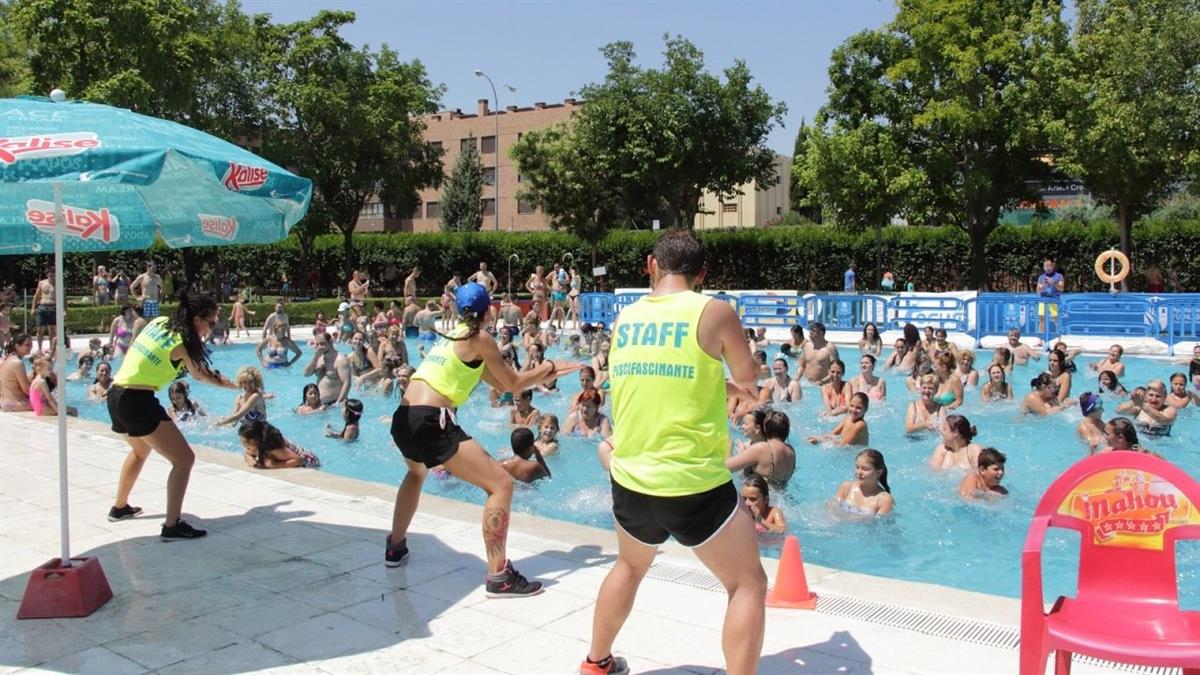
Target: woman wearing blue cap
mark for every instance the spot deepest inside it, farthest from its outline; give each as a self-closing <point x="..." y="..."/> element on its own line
<point x="426" y="431"/>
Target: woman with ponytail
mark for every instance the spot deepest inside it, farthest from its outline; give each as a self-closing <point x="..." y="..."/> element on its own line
<point x="425" y="428"/>
<point x="527" y="463"/>
<point x="160" y="353"/>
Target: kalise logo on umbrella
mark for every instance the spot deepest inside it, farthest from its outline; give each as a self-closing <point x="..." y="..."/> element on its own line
<point x="221" y="227"/>
<point x="94" y="224"/>
<point x="16" y="148"/>
<point x="239" y="177"/>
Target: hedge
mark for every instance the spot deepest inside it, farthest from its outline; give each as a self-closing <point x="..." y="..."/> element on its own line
<point x="804" y="258"/>
<point x="92" y="319"/>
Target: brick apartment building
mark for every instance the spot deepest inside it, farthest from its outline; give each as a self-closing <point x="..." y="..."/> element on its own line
<point x="453" y="129"/>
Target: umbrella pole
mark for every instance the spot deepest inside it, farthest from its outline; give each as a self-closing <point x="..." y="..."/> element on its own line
<point x="60" y="367"/>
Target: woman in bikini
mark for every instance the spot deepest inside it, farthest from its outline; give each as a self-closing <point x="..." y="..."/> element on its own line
<point x="1043" y="399"/>
<point x="950" y="387"/>
<point x="14" y="381"/>
<point x="956" y="451"/>
<point x="925" y="414"/>
<point x="588" y="421"/>
<point x="997" y="387"/>
<point x="773" y="458"/>
<point x="1152" y="415"/>
<point x="120" y="331"/>
<point x="966" y="368"/>
<point x="867" y="382"/>
<point x="870" y="343"/>
<point x="868" y="494"/>
<point x="779" y="388"/>
<point x="600" y="364"/>
<point x="835" y="392"/>
<point x="1057" y="368"/>
<point x="536" y="285"/>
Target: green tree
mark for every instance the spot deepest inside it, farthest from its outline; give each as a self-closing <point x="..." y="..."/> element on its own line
<point x="349" y="119"/>
<point x="1132" y="127"/>
<point x="460" y="203"/>
<point x="964" y="90"/>
<point x="557" y="179"/>
<point x="15" y="76"/>
<point x="668" y="135"/>
<point x="798" y="189"/>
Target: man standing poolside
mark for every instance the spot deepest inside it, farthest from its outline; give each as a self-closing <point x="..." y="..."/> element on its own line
<point x="148" y="285"/>
<point x="668" y="465"/>
<point x="1050" y="285"/>
<point x="850" y="280"/>
<point x="485" y="278"/>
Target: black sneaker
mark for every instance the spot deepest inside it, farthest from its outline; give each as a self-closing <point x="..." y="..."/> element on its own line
<point x="181" y="530"/>
<point x="395" y="554"/>
<point x="510" y="584"/>
<point x="124" y="513"/>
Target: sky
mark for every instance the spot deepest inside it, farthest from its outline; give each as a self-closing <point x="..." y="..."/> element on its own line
<point x="547" y="50"/>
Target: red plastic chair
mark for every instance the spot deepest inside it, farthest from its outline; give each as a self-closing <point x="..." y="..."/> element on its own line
<point x="1130" y="509"/>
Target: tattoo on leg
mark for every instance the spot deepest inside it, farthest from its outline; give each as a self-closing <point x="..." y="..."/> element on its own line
<point x="495" y="531"/>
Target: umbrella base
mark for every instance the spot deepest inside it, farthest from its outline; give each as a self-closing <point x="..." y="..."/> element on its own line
<point x="55" y="591"/>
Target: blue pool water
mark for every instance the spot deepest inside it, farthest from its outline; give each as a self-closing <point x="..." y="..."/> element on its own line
<point x="933" y="537"/>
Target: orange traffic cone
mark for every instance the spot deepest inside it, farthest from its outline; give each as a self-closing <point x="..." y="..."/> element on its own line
<point x="791" y="584"/>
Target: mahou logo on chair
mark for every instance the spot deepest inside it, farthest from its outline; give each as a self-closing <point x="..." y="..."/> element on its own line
<point x="1129" y="508"/>
<point x="221" y="227"/>
<point x="96" y="224"/>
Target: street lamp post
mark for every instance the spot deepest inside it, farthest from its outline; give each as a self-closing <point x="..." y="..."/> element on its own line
<point x="496" y="149"/>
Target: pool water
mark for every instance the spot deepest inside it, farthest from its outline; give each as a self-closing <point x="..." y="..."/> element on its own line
<point x="934" y="536"/>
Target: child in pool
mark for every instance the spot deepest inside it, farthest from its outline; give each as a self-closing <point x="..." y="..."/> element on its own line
<point x="526" y="464"/>
<point x="250" y="405"/>
<point x="985" y="481"/>
<point x="182" y="408"/>
<point x="772" y="458"/>
<point x="352" y="411"/>
<point x="84" y="370"/>
<point x="757" y="496"/>
<point x="523" y="413"/>
<point x="852" y="430"/>
<point x="1122" y="436"/>
<point x="311" y="400"/>
<point x="868" y="493"/>
<point x="1109" y="384"/>
<point x="264" y="447"/>
<point x="1179" y="396"/>
<point x="41" y="389"/>
<point x="1091" y="428"/>
<point x="547" y="440"/>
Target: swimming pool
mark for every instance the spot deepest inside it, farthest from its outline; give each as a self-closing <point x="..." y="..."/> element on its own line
<point x="933" y="537"/>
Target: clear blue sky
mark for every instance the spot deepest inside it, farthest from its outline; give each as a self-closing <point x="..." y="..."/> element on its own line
<point x="549" y="49"/>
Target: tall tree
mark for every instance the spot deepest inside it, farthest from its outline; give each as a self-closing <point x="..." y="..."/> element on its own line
<point x="1132" y="129"/>
<point x="349" y="119"/>
<point x="673" y="133"/>
<point x="460" y="204"/>
<point x="798" y="189"/>
<point x="15" y="76"/>
<point x="964" y="89"/>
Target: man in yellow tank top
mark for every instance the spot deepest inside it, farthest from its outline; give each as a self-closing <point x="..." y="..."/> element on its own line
<point x="671" y="440"/>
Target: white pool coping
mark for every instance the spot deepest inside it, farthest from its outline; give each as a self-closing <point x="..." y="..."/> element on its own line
<point x="291" y="578"/>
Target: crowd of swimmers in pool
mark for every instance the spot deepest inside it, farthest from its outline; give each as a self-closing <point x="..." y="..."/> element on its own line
<point x="938" y="373"/>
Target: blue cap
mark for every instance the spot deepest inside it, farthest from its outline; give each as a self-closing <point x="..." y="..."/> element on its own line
<point x="473" y="297"/>
<point x="1088" y="402"/>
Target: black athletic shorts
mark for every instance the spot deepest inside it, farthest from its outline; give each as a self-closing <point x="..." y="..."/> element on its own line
<point x="691" y="519"/>
<point x="426" y="434"/>
<point x="45" y="315"/>
<point x="136" y="412"/>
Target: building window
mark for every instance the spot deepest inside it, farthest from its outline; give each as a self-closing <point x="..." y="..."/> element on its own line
<point x="525" y="207"/>
<point x="416" y="214"/>
<point x="779" y="210"/>
<point x="373" y="210"/>
<point x="487" y="145"/>
<point x="468" y="142"/>
<point x="487" y="207"/>
<point x="436" y="145"/>
<point x="729" y="208"/>
<point x="489" y="175"/>
<point x="521" y="178"/>
<point x="432" y="210"/>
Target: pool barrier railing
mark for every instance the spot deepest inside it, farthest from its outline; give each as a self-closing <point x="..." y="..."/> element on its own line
<point x="1170" y="319"/>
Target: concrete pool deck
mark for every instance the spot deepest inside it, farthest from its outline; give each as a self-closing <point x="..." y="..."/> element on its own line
<point x="291" y="579"/>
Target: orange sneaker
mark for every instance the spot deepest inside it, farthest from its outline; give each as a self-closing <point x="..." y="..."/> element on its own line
<point x="615" y="666"/>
